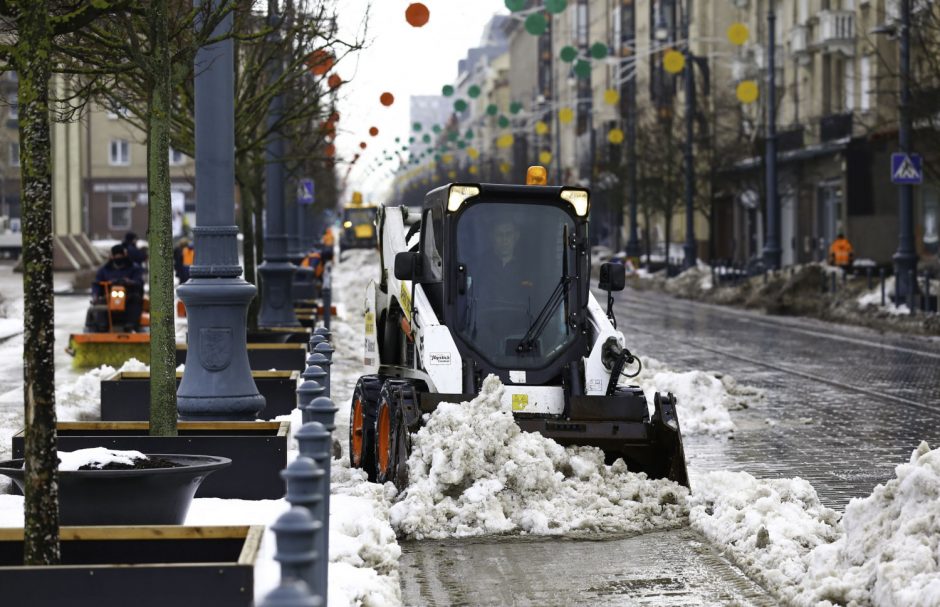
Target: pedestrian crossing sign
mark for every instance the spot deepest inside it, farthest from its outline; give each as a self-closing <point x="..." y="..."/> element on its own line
<point x="305" y="191"/>
<point x="907" y="169"/>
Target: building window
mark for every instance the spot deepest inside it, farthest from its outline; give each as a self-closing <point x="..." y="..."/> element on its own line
<point x="119" y="152"/>
<point x="14" y="108"/>
<point x="864" y="77"/>
<point x="176" y="158"/>
<point x="120" y="206"/>
<point x="14" y="154"/>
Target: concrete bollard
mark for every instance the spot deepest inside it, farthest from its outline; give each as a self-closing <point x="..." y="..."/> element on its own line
<point x="765" y="276"/>
<point x="315" y="442"/>
<point x="927" y="292"/>
<point x="314" y="340"/>
<point x="881" y="277"/>
<point x="296" y="532"/>
<point x="911" y="290"/>
<point x="321" y="362"/>
<point x="326" y="350"/>
<point x="868" y="276"/>
<point x="327" y="297"/>
<point x="304" y="480"/>
<point x="291" y="593"/>
<point x="324" y="332"/>
<point x="832" y="286"/>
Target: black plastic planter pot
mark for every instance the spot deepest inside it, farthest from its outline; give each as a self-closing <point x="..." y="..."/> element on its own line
<point x="265" y="357"/>
<point x="125" y="396"/>
<point x="141" y="566"/>
<point x="258" y="451"/>
<point x="156" y="496"/>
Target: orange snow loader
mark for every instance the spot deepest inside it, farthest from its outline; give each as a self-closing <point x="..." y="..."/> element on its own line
<point x="112" y="333"/>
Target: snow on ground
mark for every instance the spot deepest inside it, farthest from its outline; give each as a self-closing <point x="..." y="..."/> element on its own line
<point x="473" y="471"/>
<point x="885" y="550"/>
<point x="703" y="400"/>
<point x="873" y="299"/>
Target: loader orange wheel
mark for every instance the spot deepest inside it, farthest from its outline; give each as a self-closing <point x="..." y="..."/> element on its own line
<point x="383" y="437"/>
<point x="355" y="435"/>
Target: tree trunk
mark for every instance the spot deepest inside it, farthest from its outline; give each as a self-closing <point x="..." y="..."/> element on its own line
<point x="32" y="57"/>
<point x="163" y="411"/>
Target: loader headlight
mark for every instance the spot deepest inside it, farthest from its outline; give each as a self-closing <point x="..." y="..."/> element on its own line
<point x="347" y="224"/>
<point x="460" y="193"/>
<point x="117" y="294"/>
<point x="578" y="199"/>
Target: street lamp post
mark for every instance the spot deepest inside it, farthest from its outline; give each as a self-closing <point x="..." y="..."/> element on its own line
<point x="277" y="272"/>
<point x="905" y="259"/>
<point x="217" y="382"/>
<point x="772" y="250"/>
<point x="628" y="108"/>
<point x="690" y="246"/>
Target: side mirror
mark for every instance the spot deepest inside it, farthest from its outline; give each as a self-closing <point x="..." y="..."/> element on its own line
<point x="408" y="266"/>
<point x="613" y="276"/>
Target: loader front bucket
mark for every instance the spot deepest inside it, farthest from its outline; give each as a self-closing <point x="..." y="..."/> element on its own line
<point x="95" y="349"/>
<point x="668" y="440"/>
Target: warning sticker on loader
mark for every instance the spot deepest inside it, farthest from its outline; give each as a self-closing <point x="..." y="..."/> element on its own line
<point x="405" y="299"/>
<point x="370" y="323"/>
<point x="520" y="402"/>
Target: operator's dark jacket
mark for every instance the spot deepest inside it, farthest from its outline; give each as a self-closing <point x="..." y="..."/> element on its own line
<point x="131" y="275"/>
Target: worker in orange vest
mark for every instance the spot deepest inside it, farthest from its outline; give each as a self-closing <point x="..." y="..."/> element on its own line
<point x="183" y="257"/>
<point x="841" y="253"/>
<point x="314" y="259"/>
<point x="328" y="239"/>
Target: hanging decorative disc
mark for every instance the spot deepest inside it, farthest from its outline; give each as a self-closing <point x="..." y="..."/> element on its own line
<point x="738" y="34"/>
<point x="436" y="128"/>
<point x="515" y="5"/>
<point x="582" y="69"/>
<point x="426" y="138"/>
<point x="541" y="128"/>
<point x="334" y="81"/>
<point x="473" y="169"/>
<point x="447" y="90"/>
<point x="747" y="91"/>
<point x="452" y="136"/>
<point x="673" y="61"/>
<point x="515" y="107"/>
<point x="468" y="134"/>
<point x="473" y="153"/>
<point x="362" y="144"/>
<point x="416" y="126"/>
<point x="460" y="105"/>
<point x="503" y="122"/>
<point x="598" y="51"/>
<point x="565" y="115"/>
<point x="492" y="109"/>
<point x="615" y="136"/>
<point x="447" y="158"/>
<point x="504" y="168"/>
<point x="545" y="158"/>
<point x="505" y="141"/>
<point x="452" y="174"/>
<point x="473" y="92"/>
<point x="556" y="6"/>
<point x="568" y="54"/>
<point x="611" y="97"/>
<point x="417" y="14"/>
<point x="387" y="99"/>
<point x="536" y="24"/>
<point x="320" y="62"/>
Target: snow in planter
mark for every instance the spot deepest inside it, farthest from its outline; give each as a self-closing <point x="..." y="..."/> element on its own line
<point x="97" y="457"/>
<point x="80" y="400"/>
<point x="473" y="471"/>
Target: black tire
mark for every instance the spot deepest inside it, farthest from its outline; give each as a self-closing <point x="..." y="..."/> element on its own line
<point x="392" y="439"/>
<point x="362" y="411"/>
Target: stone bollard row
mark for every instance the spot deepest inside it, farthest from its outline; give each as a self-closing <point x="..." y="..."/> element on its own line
<point x="327" y="297"/>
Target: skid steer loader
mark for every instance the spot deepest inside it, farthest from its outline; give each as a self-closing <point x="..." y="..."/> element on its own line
<point x="494" y="279"/>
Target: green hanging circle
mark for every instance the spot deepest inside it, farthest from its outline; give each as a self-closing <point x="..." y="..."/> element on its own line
<point x="397" y="140"/>
<point x="515" y="5"/>
<point x="468" y="134"/>
<point x="448" y="90"/>
<point x="460" y="105"/>
<point x="436" y="128"/>
<point x="426" y="138"/>
<point x="556" y="6"/>
<point x="461" y="144"/>
<point x="473" y="92"/>
<point x="598" y="51"/>
<point x="411" y="140"/>
<point x="536" y="24"/>
<point x="568" y="54"/>
<point x="582" y="69"/>
<point x="503" y="122"/>
<point x="515" y="107"/>
<point x="452" y="136"/>
<point x="416" y="126"/>
<point x="492" y="110"/>
<point x="437" y="157"/>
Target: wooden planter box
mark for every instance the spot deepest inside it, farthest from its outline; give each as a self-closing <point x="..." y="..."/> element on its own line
<point x="139" y="566"/>
<point x="264" y="357"/>
<point x="258" y="451"/>
<point x="279" y="335"/>
<point x="125" y="396"/>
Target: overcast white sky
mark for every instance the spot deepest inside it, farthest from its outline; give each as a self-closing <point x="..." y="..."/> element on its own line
<point x="404" y="61"/>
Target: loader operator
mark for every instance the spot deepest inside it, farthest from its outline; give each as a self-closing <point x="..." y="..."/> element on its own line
<point x="120" y="270"/>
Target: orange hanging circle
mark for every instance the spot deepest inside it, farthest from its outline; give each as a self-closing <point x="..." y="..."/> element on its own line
<point x="387" y="99"/>
<point x="334" y="81"/>
<point x="320" y="62"/>
<point x="374" y="131"/>
<point x="362" y="144"/>
<point x="417" y="14"/>
<point x="331" y="150"/>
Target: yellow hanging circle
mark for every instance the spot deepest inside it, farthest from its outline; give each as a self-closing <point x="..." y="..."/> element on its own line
<point x="541" y="128"/>
<point x="545" y="158"/>
<point x="447" y="158"/>
<point x="611" y="97"/>
<point x="504" y="141"/>
<point x="747" y="91"/>
<point x="565" y="115"/>
<point x="452" y="174"/>
<point x="673" y="61"/>
<point x="473" y="153"/>
<point x="615" y="136"/>
<point x="473" y="169"/>
<point x="738" y="34"/>
<point x="504" y="168"/>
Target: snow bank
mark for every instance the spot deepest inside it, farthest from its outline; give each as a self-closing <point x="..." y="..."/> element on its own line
<point x="885" y="551"/>
<point x="873" y="299"/>
<point x="889" y="552"/>
<point x="702" y="399"/>
<point x="80" y="400"/>
<point x="473" y="471"/>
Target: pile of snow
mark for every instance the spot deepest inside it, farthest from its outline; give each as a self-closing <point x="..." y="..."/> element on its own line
<point x="80" y="400"/>
<point x="702" y="399"/>
<point x="97" y="457"/>
<point x="767" y="526"/>
<point x="889" y="552"/>
<point x="873" y="299"/>
<point x="473" y="471"/>
<point x="884" y="551"/>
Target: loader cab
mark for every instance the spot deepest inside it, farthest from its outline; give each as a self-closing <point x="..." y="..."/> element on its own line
<point x="505" y="268"/>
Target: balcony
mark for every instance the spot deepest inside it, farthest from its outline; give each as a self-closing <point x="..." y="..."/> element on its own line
<point x="835" y="126"/>
<point x="836" y="31"/>
<point x="799" y="44"/>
